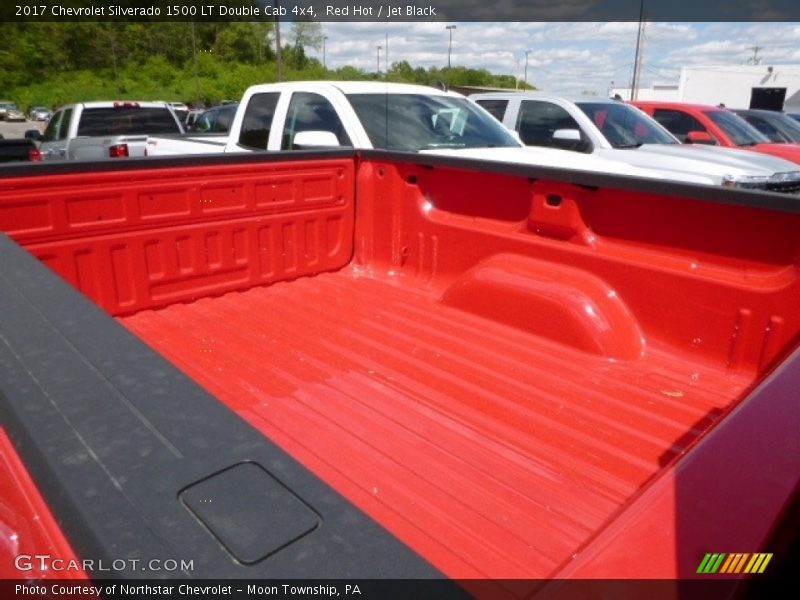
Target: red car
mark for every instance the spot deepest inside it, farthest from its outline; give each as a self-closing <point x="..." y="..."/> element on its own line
<point x="705" y="124"/>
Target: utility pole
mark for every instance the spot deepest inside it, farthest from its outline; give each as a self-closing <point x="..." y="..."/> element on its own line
<point x="525" y="79"/>
<point x="379" y="59"/>
<point x="278" y="51"/>
<point x="638" y="56"/>
<point x="450" y="28"/>
<point x="196" y="70"/>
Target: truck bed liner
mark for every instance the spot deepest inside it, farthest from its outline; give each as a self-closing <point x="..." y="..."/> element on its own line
<point x="496" y="364"/>
<point x="491" y="451"/>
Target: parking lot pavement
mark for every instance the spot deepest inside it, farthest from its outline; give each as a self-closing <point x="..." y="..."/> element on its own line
<point x="18" y="129"/>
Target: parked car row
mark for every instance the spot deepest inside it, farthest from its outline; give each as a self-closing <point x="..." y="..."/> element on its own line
<point x="100" y="130"/>
<point x="10" y="112"/>
<point x="619" y="131"/>
<point x="673" y="141"/>
<point x="372" y="115"/>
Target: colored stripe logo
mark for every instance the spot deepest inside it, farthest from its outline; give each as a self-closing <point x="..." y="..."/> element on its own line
<point x="734" y="563"/>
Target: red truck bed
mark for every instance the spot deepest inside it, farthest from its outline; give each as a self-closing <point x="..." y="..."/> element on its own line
<point x="491" y="451"/>
<point x="490" y="365"/>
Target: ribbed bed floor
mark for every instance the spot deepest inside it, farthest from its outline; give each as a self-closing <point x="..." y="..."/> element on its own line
<point x="492" y="452"/>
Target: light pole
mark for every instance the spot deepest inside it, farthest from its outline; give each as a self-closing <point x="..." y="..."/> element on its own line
<point x="450" y="45"/>
<point x="637" y="60"/>
<point x="196" y="70"/>
<point x="525" y="78"/>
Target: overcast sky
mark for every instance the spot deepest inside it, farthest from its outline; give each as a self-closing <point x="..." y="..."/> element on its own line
<point x="565" y="58"/>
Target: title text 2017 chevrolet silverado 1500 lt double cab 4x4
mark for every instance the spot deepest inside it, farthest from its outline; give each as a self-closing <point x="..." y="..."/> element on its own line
<point x="372" y="115"/>
<point x="366" y="364"/>
<point x="103" y="130"/>
<point x="615" y="130"/>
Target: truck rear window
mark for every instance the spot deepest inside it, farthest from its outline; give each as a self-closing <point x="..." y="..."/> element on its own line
<point x="127" y="121"/>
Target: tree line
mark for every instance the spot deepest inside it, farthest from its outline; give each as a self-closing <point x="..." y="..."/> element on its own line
<point x="57" y="63"/>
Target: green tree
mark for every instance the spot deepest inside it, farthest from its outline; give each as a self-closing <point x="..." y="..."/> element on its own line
<point x="58" y="63"/>
<point x="403" y="72"/>
<point x="348" y="73"/>
<point x="241" y="42"/>
<point x="307" y="34"/>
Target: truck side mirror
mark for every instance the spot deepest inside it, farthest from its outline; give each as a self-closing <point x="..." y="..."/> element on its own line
<point x="315" y="139"/>
<point x="34" y="135"/>
<point x="700" y="137"/>
<point x="568" y="139"/>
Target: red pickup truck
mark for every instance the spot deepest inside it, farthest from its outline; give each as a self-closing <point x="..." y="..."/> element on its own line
<point x="342" y="364"/>
<point x="701" y="124"/>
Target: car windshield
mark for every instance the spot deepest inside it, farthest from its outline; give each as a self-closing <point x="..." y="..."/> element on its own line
<point x="736" y="128"/>
<point x="625" y="126"/>
<point x="787" y="126"/>
<point x="414" y="122"/>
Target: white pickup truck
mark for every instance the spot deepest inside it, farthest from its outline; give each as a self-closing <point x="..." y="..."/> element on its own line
<point x="102" y="130"/>
<point x="376" y="115"/>
<point x="614" y="130"/>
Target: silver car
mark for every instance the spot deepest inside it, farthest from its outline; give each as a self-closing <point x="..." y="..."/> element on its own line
<point x="5" y="107"/>
<point x="39" y="113"/>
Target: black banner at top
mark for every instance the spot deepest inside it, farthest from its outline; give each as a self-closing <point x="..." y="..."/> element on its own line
<point x="399" y="10"/>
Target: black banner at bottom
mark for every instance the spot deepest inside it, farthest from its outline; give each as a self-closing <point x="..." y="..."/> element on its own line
<point x="391" y="589"/>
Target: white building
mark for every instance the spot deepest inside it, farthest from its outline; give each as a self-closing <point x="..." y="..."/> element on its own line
<point x="668" y="92"/>
<point x="736" y="86"/>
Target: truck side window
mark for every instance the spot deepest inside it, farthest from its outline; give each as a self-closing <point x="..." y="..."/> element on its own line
<point x="677" y="122"/>
<point x="66" y="117"/>
<point x="311" y="112"/>
<point x="537" y="121"/>
<point x="51" y="132"/>
<point x="257" y="121"/>
<point x="225" y="118"/>
<point x="496" y="108"/>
